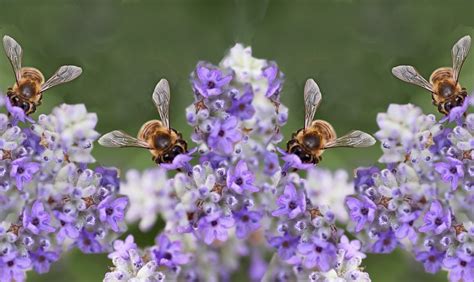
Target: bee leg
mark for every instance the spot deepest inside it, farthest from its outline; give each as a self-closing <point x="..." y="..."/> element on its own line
<point x="316" y="160"/>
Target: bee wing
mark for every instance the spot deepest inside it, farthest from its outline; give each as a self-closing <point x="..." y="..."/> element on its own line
<point x="14" y="54"/>
<point x="119" y="139"/>
<point x="354" y="139"/>
<point x="459" y="54"/>
<point x="62" y="75"/>
<point x="312" y="98"/>
<point x="410" y="74"/>
<point x="161" y="98"/>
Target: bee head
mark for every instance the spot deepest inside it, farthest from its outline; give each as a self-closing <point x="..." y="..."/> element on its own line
<point x="304" y="156"/>
<point x="447" y="106"/>
<point x="26" y="106"/>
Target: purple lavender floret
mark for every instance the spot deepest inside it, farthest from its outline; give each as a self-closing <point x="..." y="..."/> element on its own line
<point x="425" y="194"/>
<point x="109" y="176"/>
<point x="180" y="162"/>
<point x="215" y="227"/>
<point x="286" y="245"/>
<point x="292" y="161"/>
<point x="451" y="171"/>
<point x="246" y="222"/>
<point x="363" y="177"/>
<point x="168" y="253"/>
<point x="460" y="267"/>
<point x="275" y="80"/>
<point x="406" y="227"/>
<point x="42" y="260"/>
<point x="23" y="170"/>
<point x="432" y="260"/>
<point x="122" y="248"/>
<point x="385" y="243"/>
<point x="437" y="219"/>
<point x="291" y="203"/>
<point x="87" y="242"/>
<point x="441" y="141"/>
<point x="17" y="113"/>
<point x="37" y="220"/>
<point x="361" y="210"/>
<point x="352" y="248"/>
<point x="241" y="179"/>
<point x="112" y="211"/>
<point x="224" y="135"/>
<point x="14" y="268"/>
<point x="209" y="80"/>
<point x="242" y="107"/>
<point x="318" y="253"/>
<point x="456" y="114"/>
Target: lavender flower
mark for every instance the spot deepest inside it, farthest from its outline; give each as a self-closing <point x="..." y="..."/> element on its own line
<point x="210" y="81"/>
<point x="437" y="219"/>
<point x="224" y="134"/>
<point x="215" y="227"/>
<point x="37" y="220"/>
<point x="460" y="267"/>
<point x="362" y="211"/>
<point x="246" y="222"/>
<point x="432" y="260"/>
<point x="167" y="253"/>
<point x="318" y="253"/>
<point x="242" y="107"/>
<point x="425" y="193"/>
<point x="238" y="201"/>
<point x="112" y="211"/>
<point x="241" y="179"/>
<point x="14" y="268"/>
<point x="275" y="83"/>
<point x="121" y="248"/>
<point x="42" y="260"/>
<point x="286" y="245"/>
<point x="386" y="243"/>
<point x="290" y="203"/>
<point x="49" y="198"/>
<point x="451" y="171"/>
<point x="23" y="171"/>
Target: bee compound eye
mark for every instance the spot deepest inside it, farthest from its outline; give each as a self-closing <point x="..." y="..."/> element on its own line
<point x="448" y="106"/>
<point x="306" y="158"/>
<point x="25" y="106"/>
<point x="458" y="101"/>
<point x="296" y="150"/>
<point x="177" y="150"/>
<point x="167" y="158"/>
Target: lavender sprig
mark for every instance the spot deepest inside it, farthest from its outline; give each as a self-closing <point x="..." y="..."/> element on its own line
<point x="238" y="200"/>
<point x="50" y="199"/>
<point x="422" y="201"/>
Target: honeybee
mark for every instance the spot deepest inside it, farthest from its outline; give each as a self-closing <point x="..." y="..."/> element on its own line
<point x="309" y="143"/>
<point x="163" y="142"/>
<point x="446" y="92"/>
<point x="28" y="89"/>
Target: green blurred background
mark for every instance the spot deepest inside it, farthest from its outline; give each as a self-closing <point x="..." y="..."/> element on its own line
<point x="126" y="46"/>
